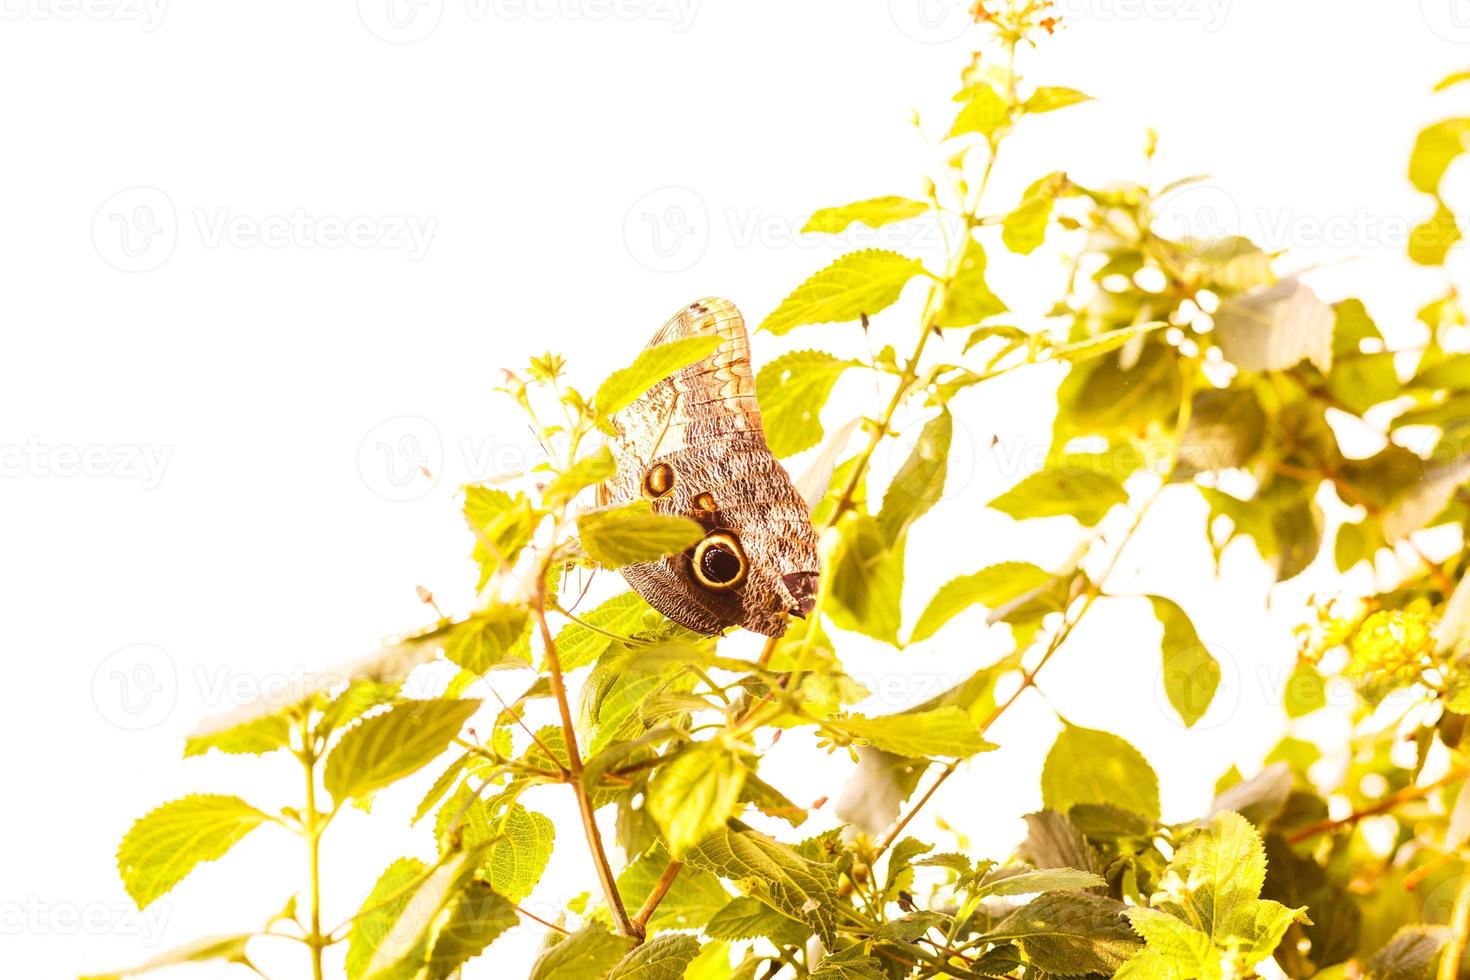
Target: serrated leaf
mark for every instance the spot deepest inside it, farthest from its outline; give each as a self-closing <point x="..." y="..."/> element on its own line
<point x="661" y="958"/>
<point x="792" y="390"/>
<point x="690" y="902"/>
<point x="1041" y="880"/>
<point x="382" y="749"/>
<point x="1411" y="954"/>
<point x="747" y="918"/>
<point x="1090" y="766"/>
<point x="858" y="284"/>
<point x="990" y="588"/>
<point x="968" y="299"/>
<point x="257" y="737"/>
<point x="1024" y="229"/>
<point x="486" y="640"/>
<point x="590" y="953"/>
<point x="502" y="525"/>
<point x="919" y="483"/>
<point x="516" y="844"/>
<point x="1190" y="952"/>
<point x="941" y="733"/>
<point x="1220" y="870"/>
<point x="161" y="848"/>
<point x="692" y="797"/>
<point x="623" y="615"/>
<point x="1070" y="933"/>
<point x="1075" y="492"/>
<point x="623" y="387"/>
<point x="633" y="533"/>
<point x="380" y="910"/>
<point x="231" y="949"/>
<point x="1191" y="673"/>
<point x="874" y="212"/>
<point x="476" y="917"/>
<point x="776" y="874"/>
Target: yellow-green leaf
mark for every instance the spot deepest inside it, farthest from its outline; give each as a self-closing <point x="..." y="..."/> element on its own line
<point x="1090" y="766"/>
<point x="792" y="390"/>
<point x="632" y="533"/>
<point x="661" y="958"/>
<point x="873" y="212"/>
<point x="653" y="365"/>
<point x="1191" y="673"/>
<point x="985" y="113"/>
<point x="585" y="472"/>
<point x="858" y="284"/>
<point x="231" y="949"/>
<point x="1062" y="492"/>
<point x="162" y="848"/>
<point x="990" y="587"/>
<point x="968" y="300"/>
<point x="946" y="733"/>
<point x="1048" y="98"/>
<point x="384" y="748"/>
<point x="476" y="916"/>
<point x="692" y="797"/>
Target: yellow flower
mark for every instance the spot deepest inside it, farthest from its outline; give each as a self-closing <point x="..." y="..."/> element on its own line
<point x="1392" y="641"/>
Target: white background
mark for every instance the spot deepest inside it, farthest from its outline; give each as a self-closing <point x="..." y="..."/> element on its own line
<point x="249" y="393"/>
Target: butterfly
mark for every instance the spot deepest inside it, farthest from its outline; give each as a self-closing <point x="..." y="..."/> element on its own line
<point x="693" y="446"/>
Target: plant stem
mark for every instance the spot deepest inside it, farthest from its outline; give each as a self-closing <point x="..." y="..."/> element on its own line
<point x="313" y="827"/>
<point x="1384" y="805"/>
<point x="1452" y="958"/>
<point x="660" y="889"/>
<point x="574" y="769"/>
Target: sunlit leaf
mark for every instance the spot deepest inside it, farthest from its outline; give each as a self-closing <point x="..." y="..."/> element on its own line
<point x="693" y="796"/>
<point x="874" y="212"/>
<point x="1090" y="766"/>
<point x="858" y="284"/>
<point x="384" y="748"/>
<point x="161" y="848"/>
<point x="632" y="533"/>
<point x="792" y="390"/>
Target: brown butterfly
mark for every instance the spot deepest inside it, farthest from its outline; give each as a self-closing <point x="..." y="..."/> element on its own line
<point x="693" y="445"/>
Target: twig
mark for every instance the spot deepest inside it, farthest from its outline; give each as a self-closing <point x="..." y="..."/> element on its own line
<point x="550" y="925"/>
<point x="660" y="889"/>
<point x="1453" y="955"/>
<point x="574" y="767"/>
<point x="1384" y="805"/>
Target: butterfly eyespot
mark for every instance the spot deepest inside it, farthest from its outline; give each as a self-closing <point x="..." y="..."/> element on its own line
<point x="705" y="501"/>
<point x="719" y="562"/>
<point x="659" y="480"/>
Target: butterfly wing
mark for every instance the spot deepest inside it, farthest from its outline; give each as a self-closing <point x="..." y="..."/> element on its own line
<point x="694" y="446"/>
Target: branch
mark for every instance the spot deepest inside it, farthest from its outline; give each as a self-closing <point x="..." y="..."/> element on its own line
<point x="574" y="768"/>
<point x="1384" y="805"/>
<point x="660" y="889"/>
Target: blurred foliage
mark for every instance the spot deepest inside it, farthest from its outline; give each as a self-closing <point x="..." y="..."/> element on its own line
<point x="1191" y="367"/>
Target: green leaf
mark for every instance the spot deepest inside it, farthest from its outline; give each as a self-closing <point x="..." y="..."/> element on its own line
<point x="1070" y="933"/>
<point x="747" y="918"/>
<point x="1024" y="229"/>
<point x="941" y="733"/>
<point x="692" y="797"/>
<point x="1090" y="766"/>
<point x="590" y="953"/>
<point x="968" y="300"/>
<point x="990" y="587"/>
<point x="1062" y="491"/>
<point x="985" y="113"/>
<point x="633" y="533"/>
<point x="517" y="844"/>
<point x="1435" y="149"/>
<point x="384" y="748"/>
<point x="476" y="916"/>
<point x="585" y="472"/>
<point x="1190" y="950"/>
<point x="1412" y="954"/>
<point x="1220" y="870"/>
<point x="160" y="849"/>
<point x="256" y="737"/>
<point x="654" y="364"/>
<point x="867" y="579"/>
<point x="690" y="902"/>
<point x="231" y="949"/>
<point x="380" y="910"/>
<point x="502" y="524"/>
<point x="486" y="640"/>
<point x="919" y="483"/>
<point x="1306" y="689"/>
<point x="1431" y="239"/>
<point x="874" y="212"/>
<point x="1191" y="673"/>
<point x="1274" y="328"/>
<point x="1049" y="98"/>
<point x="1042" y="880"/>
<point x="776" y="874"/>
<point x="623" y="615"/>
<point x="858" y="284"/>
<point x="792" y="390"/>
<point x="661" y="958"/>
